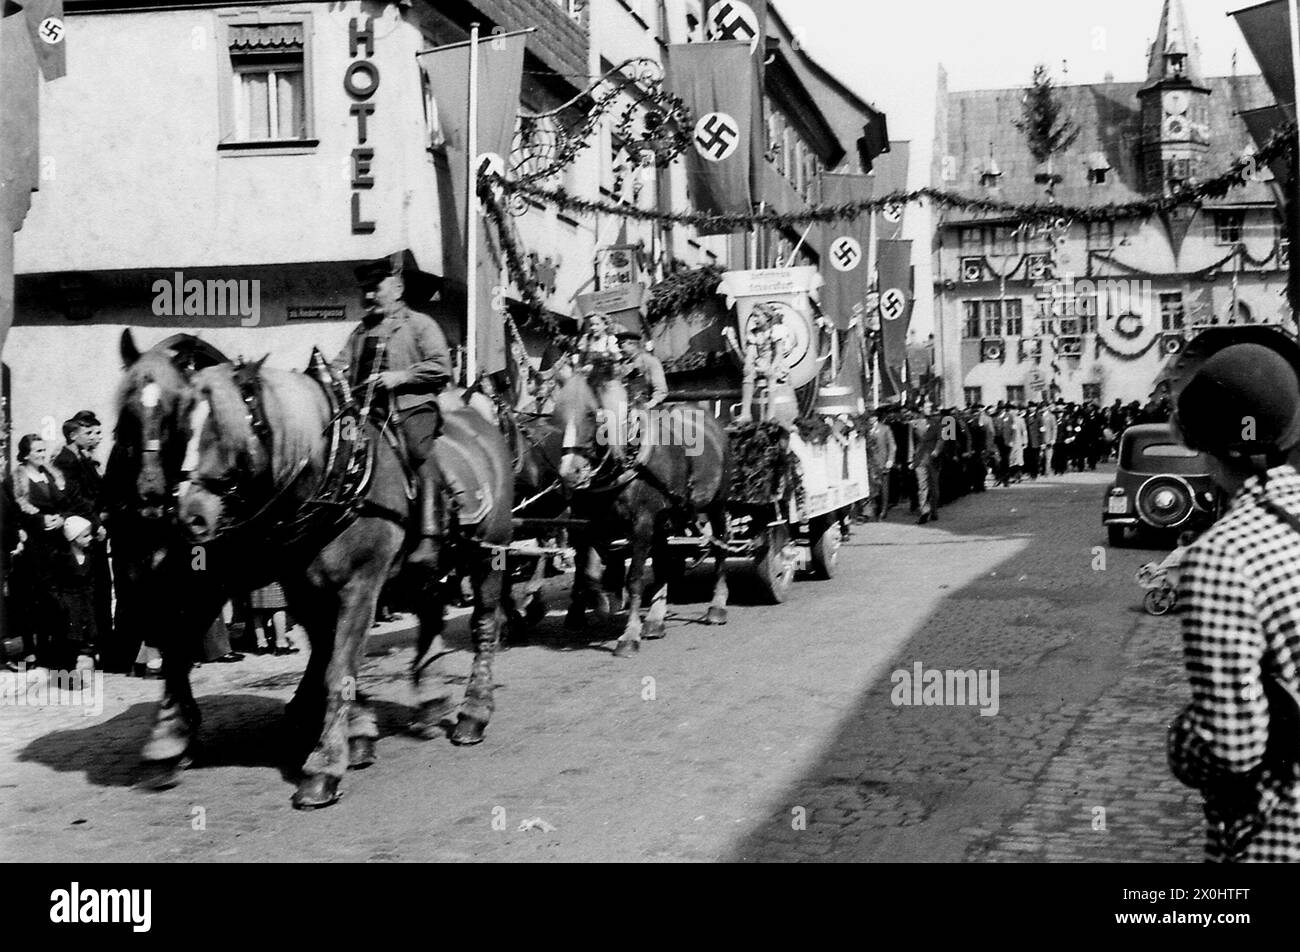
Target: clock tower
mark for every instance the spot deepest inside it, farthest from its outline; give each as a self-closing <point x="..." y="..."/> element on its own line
<point x="1174" y="109"/>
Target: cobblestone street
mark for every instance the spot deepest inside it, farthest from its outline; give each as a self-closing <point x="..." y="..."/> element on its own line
<point x="773" y="738"/>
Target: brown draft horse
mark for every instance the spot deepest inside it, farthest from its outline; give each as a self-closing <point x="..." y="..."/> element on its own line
<point x="235" y="473"/>
<point x="676" y="483"/>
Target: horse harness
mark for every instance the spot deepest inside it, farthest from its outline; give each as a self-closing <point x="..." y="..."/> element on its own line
<point x="340" y="495"/>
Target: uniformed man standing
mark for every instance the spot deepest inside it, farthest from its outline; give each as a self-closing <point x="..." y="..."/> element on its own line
<point x="643" y="372"/>
<point x="403" y="354"/>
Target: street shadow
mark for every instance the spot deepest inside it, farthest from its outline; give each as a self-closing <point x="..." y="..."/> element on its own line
<point x="1087" y="685"/>
<point x="238" y="730"/>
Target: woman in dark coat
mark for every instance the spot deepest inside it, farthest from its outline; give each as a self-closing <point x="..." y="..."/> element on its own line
<point x="72" y="580"/>
<point x="38" y="490"/>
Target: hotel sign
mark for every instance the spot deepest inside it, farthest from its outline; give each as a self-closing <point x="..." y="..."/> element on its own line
<point x="361" y="82"/>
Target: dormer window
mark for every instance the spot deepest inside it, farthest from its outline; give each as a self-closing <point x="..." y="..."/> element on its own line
<point x="1098" y="168"/>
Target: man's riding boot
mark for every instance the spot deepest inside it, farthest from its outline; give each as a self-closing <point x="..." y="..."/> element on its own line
<point x="426" y="553"/>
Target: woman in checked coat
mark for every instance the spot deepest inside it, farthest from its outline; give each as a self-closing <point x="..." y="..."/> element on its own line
<point x="1238" y="741"/>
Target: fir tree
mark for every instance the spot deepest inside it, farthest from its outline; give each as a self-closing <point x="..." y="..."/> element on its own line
<point x="1041" y="123"/>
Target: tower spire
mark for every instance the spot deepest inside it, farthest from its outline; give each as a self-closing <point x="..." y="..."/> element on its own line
<point x="1174" y="54"/>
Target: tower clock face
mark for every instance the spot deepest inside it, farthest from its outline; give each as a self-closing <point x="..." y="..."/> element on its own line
<point x="1176" y="102"/>
<point x="1175" y="127"/>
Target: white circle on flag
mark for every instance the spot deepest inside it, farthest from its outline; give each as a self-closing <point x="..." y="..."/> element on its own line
<point x="716" y="136"/>
<point x="893" y="212"/>
<point x="892" y="304"/>
<point x="845" y="253"/>
<point x="495" y="164"/>
<point x="733" y="20"/>
<point x="51" y="30"/>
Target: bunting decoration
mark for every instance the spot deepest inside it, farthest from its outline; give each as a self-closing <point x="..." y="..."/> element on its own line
<point x="1053" y="213"/>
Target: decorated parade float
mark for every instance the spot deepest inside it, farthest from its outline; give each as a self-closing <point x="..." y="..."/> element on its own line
<point x="798" y="454"/>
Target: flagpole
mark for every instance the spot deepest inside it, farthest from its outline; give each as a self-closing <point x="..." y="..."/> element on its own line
<point x="471" y="215"/>
<point x="1295" y="176"/>
<point x="495" y="36"/>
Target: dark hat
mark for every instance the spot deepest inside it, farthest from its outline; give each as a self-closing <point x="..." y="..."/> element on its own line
<point x="1243" y="402"/>
<point x="85" y="418"/>
<point x="626" y="334"/>
<point x="420" y="286"/>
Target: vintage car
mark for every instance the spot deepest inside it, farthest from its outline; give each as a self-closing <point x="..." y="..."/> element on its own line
<point x="1159" y="484"/>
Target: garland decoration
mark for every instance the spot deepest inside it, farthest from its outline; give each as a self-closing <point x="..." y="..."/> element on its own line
<point x="1039" y="212"/>
<point x="682" y="290"/>
<point x="1103" y="344"/>
<point x="763" y="467"/>
<point x="542" y="149"/>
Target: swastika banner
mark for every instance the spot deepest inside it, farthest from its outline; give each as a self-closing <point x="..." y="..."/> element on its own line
<point x="895" y="264"/>
<point x="844" y="252"/>
<point x="729" y="20"/>
<point x="704" y="76"/>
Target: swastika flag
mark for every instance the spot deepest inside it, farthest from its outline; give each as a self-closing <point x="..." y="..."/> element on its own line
<point x="718" y="168"/>
<point x="844" y="249"/>
<point x="895" y="264"/>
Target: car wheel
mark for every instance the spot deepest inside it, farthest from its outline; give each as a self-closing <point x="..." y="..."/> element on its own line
<point x="1115" y="535"/>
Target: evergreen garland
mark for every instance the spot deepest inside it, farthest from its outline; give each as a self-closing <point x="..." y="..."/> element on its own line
<point x="681" y="291"/>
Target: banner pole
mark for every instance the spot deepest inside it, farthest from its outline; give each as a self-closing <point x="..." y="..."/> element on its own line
<point x="1295" y="176"/>
<point x="471" y="215"/>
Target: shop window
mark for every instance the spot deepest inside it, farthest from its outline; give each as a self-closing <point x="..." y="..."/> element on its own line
<point x="1092" y="393"/>
<point x="974" y="396"/>
<point x="1015" y="394"/>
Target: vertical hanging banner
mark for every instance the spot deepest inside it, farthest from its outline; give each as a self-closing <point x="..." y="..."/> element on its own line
<point x="745" y="20"/>
<point x="895" y="299"/>
<point x="844" y="258"/>
<point x="891" y="176"/>
<point x="49" y="31"/>
<point x="718" y="166"/>
<point x="500" y="66"/>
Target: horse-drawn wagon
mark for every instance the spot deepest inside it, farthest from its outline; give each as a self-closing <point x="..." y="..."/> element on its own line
<point x="799" y="469"/>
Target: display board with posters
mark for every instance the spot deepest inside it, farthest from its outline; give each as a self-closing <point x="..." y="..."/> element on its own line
<point x="623" y="304"/>
<point x="788" y="292"/>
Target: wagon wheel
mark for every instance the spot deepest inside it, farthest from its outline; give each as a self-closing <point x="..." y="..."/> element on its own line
<point x="824" y="552"/>
<point x="1158" y="601"/>
<point x="775" y="564"/>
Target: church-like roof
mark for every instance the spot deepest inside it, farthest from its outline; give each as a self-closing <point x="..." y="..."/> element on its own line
<point x="976" y="129"/>
<point x="1172" y="37"/>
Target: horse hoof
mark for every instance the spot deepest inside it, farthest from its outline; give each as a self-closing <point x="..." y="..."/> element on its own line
<point x="652" y="632"/>
<point x="535" y="612"/>
<point x="434" y="720"/>
<point x="163" y="774"/>
<point x="361" y="753"/>
<point x="626" y="649"/>
<point x="469" y="730"/>
<point x="316" y="792"/>
<point x="716" y="616"/>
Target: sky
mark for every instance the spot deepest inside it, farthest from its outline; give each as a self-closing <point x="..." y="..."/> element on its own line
<point x="889" y="52"/>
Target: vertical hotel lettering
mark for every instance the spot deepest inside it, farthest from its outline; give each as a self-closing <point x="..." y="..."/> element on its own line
<point x="361" y="89"/>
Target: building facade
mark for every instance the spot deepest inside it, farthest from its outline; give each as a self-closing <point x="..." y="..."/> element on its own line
<point x="1094" y="311"/>
<point x="256" y="152"/>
